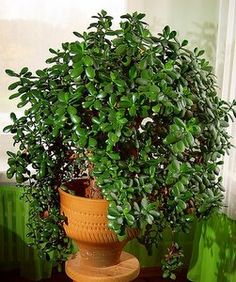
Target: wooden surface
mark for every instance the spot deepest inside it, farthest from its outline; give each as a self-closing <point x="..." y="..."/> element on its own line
<point x="127" y="270"/>
<point x="148" y="274"/>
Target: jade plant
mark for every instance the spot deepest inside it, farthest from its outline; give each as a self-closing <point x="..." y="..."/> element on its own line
<point x="138" y="116"/>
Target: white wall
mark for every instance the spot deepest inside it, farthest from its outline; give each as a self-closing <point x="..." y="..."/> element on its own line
<point x="194" y="20"/>
<point x="28" y="28"/>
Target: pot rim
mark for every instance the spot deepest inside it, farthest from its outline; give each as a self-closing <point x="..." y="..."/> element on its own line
<point x="61" y="191"/>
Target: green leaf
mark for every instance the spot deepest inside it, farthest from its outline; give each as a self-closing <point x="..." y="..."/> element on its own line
<point x="78" y="34"/>
<point x="170" y="138"/>
<point x="149" y="219"/>
<point x="179" y="122"/>
<point x="10" y="173"/>
<point x="156" y="109"/>
<point x="198" y="178"/>
<point x="63" y="97"/>
<point x="174" y="166"/>
<point x="144" y="202"/>
<point x="96" y="120"/>
<point x="113" y="212"/>
<point x="75" y="119"/>
<point x="24" y="70"/>
<point x="76" y="72"/>
<point x="210" y="113"/>
<point x="102" y="95"/>
<point x="71" y="110"/>
<point x="194" y="130"/>
<point x="75" y="48"/>
<point x="127" y="16"/>
<point x="41" y="73"/>
<point x="172" y="34"/>
<point x="80" y="131"/>
<point x="15" y="95"/>
<point x="179" y="147"/>
<point x="141" y="81"/>
<point x="142" y="64"/>
<point x="119" y="82"/>
<point x="132" y="110"/>
<point x="140" y="16"/>
<point x="184" y="180"/>
<point x="154" y="88"/>
<point x="11" y="73"/>
<point x="181" y="205"/>
<point x="146" y="74"/>
<point x="114" y="156"/>
<point x="166" y="30"/>
<point x="132" y="72"/>
<point x="121" y="50"/>
<point x="113" y="138"/>
<point x="22" y="104"/>
<point x="13" y="117"/>
<point x="55" y="132"/>
<point x="148" y="187"/>
<point x="52" y="51"/>
<point x="130" y="219"/>
<point x="91" y="88"/>
<point x="224" y="123"/>
<point x="14" y="85"/>
<point x="7" y="129"/>
<point x="184" y="43"/>
<point x="92" y="142"/>
<point x="154" y="213"/>
<point x="82" y="140"/>
<point x="200" y="53"/>
<point x="88" y="61"/>
<point x="169" y="65"/>
<point x="166" y="274"/>
<point x="112" y="100"/>
<point x="190" y="139"/>
<point x="180" y="186"/>
<point x="97" y="105"/>
<point x="60" y="111"/>
<point x="90" y="72"/>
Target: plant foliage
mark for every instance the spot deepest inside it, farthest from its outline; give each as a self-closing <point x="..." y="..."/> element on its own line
<point x="143" y="110"/>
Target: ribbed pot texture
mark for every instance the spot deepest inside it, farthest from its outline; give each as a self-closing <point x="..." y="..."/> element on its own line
<point x="86" y="223"/>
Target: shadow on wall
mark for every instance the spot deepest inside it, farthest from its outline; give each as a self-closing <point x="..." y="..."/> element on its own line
<point x="26" y="43"/>
<point x="29" y="40"/>
<point x="214" y="255"/>
<point x="156" y="25"/>
<point x="14" y="250"/>
<point x="204" y="36"/>
<point x="15" y="254"/>
<point x="222" y="233"/>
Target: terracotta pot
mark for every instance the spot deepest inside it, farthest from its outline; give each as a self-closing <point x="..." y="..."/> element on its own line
<point x="87" y="225"/>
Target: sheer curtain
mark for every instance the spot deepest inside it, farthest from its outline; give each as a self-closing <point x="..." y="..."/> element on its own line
<point x="214" y="247"/>
<point x="226" y="73"/>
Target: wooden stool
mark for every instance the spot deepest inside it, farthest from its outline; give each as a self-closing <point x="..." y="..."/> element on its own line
<point x="126" y="270"/>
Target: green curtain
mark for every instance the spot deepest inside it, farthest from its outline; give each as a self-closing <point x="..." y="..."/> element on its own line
<point x="184" y="240"/>
<point x="214" y="251"/>
<point x="15" y="252"/>
<point x="14" y="249"/>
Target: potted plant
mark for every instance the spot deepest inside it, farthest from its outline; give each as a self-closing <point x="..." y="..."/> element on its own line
<point x="135" y="119"/>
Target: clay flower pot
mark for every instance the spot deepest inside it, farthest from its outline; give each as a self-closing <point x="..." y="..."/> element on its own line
<point x="86" y="223"/>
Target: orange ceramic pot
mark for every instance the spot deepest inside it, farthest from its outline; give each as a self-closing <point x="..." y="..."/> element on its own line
<point x="87" y="224"/>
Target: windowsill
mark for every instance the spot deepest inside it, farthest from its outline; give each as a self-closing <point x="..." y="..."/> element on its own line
<point x="4" y="179"/>
<point x="5" y="145"/>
